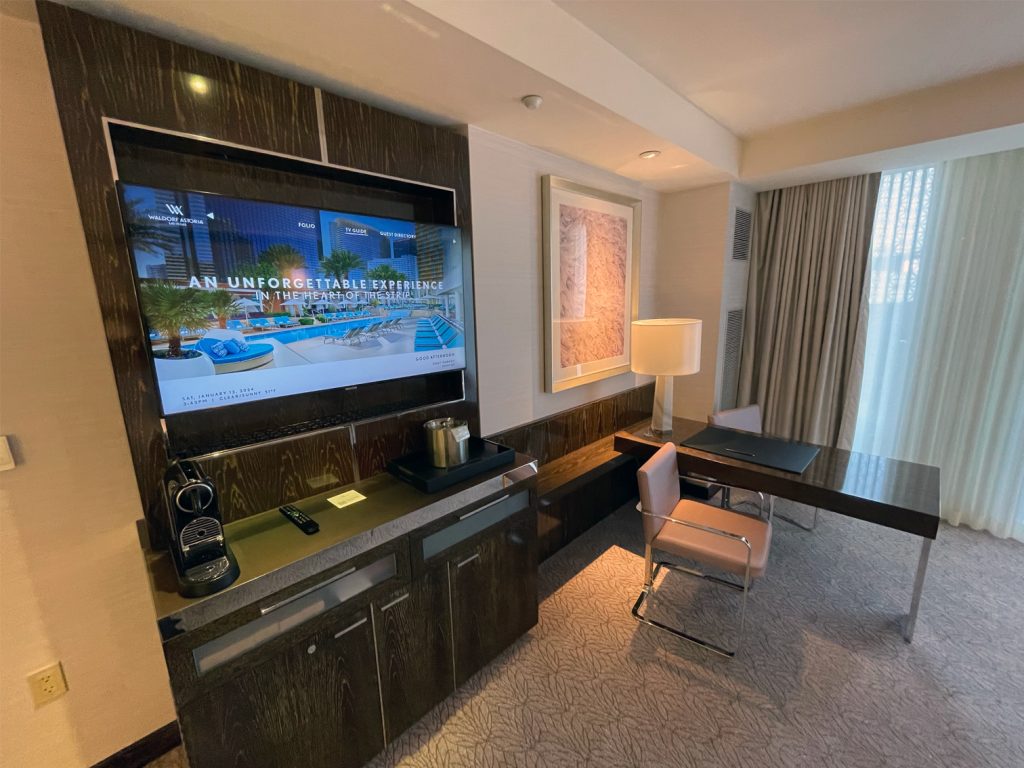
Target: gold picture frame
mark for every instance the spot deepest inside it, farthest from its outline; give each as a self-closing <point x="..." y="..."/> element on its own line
<point x="591" y="246"/>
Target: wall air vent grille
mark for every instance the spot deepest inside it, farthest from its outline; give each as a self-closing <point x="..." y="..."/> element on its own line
<point x="731" y="364"/>
<point x="741" y="236"/>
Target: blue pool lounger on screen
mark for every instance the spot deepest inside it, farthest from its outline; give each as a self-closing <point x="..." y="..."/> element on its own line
<point x="437" y="333"/>
<point x="230" y="355"/>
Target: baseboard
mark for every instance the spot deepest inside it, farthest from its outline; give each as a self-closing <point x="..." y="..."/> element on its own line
<point x="145" y="750"/>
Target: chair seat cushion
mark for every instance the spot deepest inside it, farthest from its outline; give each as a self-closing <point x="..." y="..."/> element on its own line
<point x="712" y="549"/>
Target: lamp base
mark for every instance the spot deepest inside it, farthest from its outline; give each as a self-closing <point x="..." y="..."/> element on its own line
<point x="661" y="419"/>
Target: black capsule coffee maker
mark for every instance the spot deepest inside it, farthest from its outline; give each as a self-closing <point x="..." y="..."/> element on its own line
<point x="201" y="554"/>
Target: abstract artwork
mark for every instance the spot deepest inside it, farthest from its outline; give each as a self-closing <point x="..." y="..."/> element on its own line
<point x="591" y="250"/>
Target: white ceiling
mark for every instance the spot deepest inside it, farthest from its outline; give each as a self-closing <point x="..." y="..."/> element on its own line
<point x="757" y="65"/>
<point x="618" y="77"/>
<point x="401" y="58"/>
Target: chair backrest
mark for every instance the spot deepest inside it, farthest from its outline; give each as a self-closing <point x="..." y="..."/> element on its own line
<point x="747" y="418"/>
<point x="658" y="479"/>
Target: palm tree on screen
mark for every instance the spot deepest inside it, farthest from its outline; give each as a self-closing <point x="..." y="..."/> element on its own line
<point x="284" y="258"/>
<point x="278" y="260"/>
<point x="223" y="305"/>
<point x="340" y="263"/>
<point x="169" y="309"/>
<point x="386" y="273"/>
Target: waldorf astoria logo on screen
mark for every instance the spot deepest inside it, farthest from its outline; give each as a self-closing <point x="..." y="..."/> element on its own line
<point x="245" y="300"/>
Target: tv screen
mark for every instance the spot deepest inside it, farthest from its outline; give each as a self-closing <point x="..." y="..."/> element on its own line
<point x="246" y="300"/>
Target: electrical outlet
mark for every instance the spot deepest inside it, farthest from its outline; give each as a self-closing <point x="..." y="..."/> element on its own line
<point x="47" y="684"/>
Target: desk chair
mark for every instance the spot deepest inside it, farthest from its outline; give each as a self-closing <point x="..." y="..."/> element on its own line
<point x="716" y="538"/>
<point x="748" y="419"/>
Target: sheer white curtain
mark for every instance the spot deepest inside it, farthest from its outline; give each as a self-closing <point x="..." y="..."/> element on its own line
<point x="944" y="360"/>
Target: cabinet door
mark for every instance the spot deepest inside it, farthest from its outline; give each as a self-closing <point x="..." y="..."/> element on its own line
<point x="588" y="505"/>
<point x="314" y="704"/>
<point x="414" y="647"/>
<point x="551" y="535"/>
<point x="494" y="593"/>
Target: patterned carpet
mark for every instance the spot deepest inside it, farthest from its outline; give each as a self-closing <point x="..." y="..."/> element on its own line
<point x="823" y="677"/>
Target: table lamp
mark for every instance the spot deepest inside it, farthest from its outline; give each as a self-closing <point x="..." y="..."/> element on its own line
<point x="665" y="348"/>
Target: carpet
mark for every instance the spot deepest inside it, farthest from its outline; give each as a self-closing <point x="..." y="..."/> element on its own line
<point x="823" y="677"/>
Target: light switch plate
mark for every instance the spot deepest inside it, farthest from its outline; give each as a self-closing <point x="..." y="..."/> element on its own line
<point x="6" y="458"/>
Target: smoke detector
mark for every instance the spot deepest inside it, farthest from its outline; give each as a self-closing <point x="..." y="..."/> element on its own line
<point x="533" y="101"/>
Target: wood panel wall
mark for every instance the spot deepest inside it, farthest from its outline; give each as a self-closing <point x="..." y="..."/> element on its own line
<point x="552" y="437"/>
<point x="103" y="69"/>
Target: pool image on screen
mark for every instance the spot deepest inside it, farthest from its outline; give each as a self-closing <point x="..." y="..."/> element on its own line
<point x="246" y="300"/>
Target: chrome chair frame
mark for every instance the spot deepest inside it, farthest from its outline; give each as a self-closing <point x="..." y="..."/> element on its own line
<point x="726" y="503"/>
<point x="651" y="570"/>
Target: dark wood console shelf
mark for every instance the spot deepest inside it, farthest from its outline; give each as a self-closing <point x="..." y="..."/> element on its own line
<point x="581" y="478"/>
<point x="329" y="646"/>
<point x="579" y="490"/>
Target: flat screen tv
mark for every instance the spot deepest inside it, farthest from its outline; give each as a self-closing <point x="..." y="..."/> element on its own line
<point x="248" y="302"/>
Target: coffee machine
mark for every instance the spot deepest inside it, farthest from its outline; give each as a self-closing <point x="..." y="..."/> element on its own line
<point x="202" y="558"/>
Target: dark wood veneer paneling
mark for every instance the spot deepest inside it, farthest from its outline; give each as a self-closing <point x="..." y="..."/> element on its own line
<point x="313" y="705"/>
<point x="100" y="69"/>
<point x="368" y="138"/>
<point x="582" y="477"/>
<point x="414" y="650"/>
<point x="493" y="592"/>
<point x="552" y="437"/>
<point x="103" y="69"/>
<point x="383" y="439"/>
<point x="120" y="72"/>
<point x="287" y="469"/>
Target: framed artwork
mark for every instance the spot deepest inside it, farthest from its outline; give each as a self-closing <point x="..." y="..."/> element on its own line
<point x="591" y="269"/>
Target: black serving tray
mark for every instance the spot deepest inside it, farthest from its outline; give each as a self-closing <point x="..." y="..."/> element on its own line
<point x="416" y="469"/>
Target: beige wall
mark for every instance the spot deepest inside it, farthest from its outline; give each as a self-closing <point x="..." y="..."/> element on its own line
<point x="72" y="584"/>
<point x="694" y="237"/>
<point x="974" y="116"/>
<point x="508" y="277"/>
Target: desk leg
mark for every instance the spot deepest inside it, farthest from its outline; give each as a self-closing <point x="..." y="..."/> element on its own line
<point x="915" y="601"/>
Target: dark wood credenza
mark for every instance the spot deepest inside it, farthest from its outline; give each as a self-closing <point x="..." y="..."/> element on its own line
<point x="329" y="646"/>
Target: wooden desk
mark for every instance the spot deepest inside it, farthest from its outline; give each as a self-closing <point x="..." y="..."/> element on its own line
<point x="896" y="494"/>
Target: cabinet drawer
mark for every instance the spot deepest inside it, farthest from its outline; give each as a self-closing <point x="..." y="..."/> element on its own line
<point x="473" y="522"/>
<point x="211" y="655"/>
<point x="281" y="617"/>
<point x="313" y="704"/>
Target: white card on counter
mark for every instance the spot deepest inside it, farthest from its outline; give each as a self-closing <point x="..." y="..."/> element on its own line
<point x="346" y="498"/>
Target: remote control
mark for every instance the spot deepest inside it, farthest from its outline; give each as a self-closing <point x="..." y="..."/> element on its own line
<point x="305" y="524"/>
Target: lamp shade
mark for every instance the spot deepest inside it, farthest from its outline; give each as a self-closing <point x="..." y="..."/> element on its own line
<point x="665" y="347"/>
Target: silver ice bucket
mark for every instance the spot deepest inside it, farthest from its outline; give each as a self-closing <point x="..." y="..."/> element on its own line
<point x="447" y="442"/>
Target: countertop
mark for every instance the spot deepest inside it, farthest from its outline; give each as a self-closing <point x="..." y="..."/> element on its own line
<point x="274" y="554"/>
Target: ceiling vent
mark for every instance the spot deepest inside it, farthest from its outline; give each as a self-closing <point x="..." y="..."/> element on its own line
<point x="741" y="236"/>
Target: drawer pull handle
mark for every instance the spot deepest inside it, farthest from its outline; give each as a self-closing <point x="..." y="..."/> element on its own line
<point x="468" y="560"/>
<point x="519" y="474"/>
<point x="485" y="506"/>
<point x="349" y="629"/>
<point x="311" y="650"/>
<point x="303" y="593"/>
<point x="394" y="602"/>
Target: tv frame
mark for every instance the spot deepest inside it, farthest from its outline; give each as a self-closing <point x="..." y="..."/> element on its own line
<point x="206" y="431"/>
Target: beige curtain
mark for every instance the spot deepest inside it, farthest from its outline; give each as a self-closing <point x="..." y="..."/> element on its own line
<point x="806" y="317"/>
